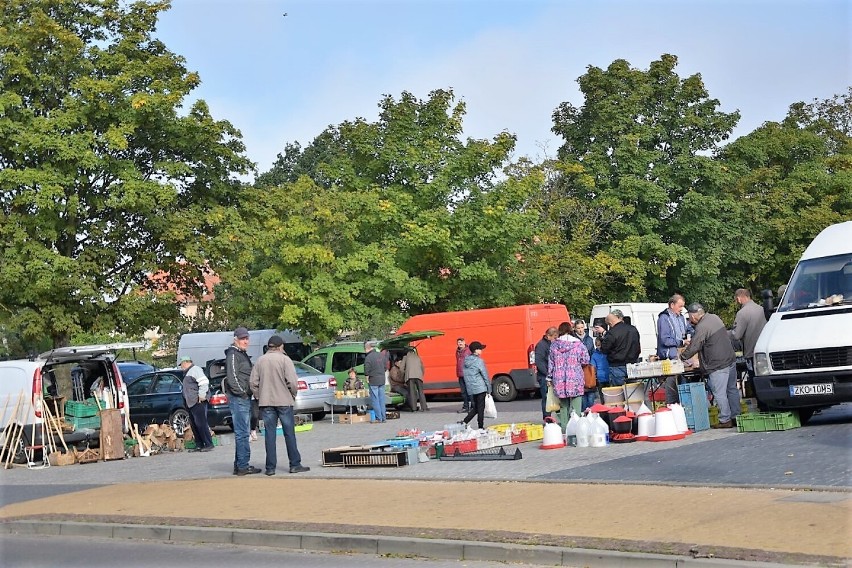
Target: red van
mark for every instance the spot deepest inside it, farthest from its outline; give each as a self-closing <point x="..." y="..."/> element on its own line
<point x="509" y="334"/>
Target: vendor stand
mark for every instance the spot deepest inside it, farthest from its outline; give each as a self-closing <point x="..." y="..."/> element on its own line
<point x="349" y="402"/>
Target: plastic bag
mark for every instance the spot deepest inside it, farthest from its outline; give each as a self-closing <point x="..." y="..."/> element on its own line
<point x="490" y="407"/>
<point x="553" y="404"/>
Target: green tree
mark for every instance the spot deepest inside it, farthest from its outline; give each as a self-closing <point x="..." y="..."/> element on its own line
<point x="794" y="178"/>
<point x="105" y="177"/>
<point x="635" y="150"/>
<point x="377" y="220"/>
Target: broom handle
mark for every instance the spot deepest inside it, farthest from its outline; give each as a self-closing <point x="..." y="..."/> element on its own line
<point x="10" y="433"/>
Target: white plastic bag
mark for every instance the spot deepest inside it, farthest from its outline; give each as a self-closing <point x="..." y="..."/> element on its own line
<point x="490" y="407"/>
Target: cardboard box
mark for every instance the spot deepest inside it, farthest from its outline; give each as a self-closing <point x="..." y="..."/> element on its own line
<point x="353" y="418"/>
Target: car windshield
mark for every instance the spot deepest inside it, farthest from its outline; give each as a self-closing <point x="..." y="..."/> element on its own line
<point x="304" y="370"/>
<point x="819" y="282"/>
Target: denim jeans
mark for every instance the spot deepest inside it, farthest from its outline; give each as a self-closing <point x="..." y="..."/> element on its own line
<point x="377" y="401"/>
<point x="271" y="416"/>
<point x="588" y="400"/>
<point x="542" y="387"/>
<point x="723" y="385"/>
<point x="617" y="375"/>
<point x="466" y="398"/>
<point x="240" y="416"/>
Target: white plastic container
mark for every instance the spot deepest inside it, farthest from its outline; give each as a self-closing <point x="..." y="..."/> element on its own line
<point x="584" y="433"/>
<point x="571" y="429"/>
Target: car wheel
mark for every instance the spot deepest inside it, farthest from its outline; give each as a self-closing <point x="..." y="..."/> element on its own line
<point x="179" y="421"/>
<point x="503" y="389"/>
<point x="317" y="416"/>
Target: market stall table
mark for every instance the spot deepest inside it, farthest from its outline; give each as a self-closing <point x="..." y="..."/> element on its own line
<point x="349" y="402"/>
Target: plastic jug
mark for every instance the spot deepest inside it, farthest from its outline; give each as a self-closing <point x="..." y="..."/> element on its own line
<point x="571" y="429"/>
<point x="584" y="433"/>
<point x="602" y="426"/>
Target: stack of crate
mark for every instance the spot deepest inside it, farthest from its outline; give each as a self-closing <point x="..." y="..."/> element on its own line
<point x="693" y="399"/>
<point x="82" y="414"/>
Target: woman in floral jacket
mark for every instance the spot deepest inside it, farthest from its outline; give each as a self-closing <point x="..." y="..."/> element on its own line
<point x="565" y="370"/>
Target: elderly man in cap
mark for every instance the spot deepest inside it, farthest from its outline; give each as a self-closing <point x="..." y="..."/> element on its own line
<point x="621" y="346"/>
<point x="236" y="386"/>
<point x="276" y="385"/>
<point x="713" y="345"/>
<point x="195" y="389"/>
<point x="375" y="366"/>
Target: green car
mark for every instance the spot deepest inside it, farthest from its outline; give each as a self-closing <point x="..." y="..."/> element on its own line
<point x="337" y="358"/>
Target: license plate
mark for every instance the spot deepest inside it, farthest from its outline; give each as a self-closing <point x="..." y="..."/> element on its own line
<point x="805" y="390"/>
<point x="317" y="386"/>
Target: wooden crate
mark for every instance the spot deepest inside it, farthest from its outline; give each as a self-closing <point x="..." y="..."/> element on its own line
<point x="88" y="455"/>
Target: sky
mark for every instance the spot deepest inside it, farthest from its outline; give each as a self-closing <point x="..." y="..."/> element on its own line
<point x="284" y="78"/>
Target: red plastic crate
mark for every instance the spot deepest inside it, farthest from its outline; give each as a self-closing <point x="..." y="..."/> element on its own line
<point x="520" y="437"/>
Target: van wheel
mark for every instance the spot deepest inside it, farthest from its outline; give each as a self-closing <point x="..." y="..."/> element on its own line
<point x="805" y="415"/>
<point x="503" y="389"/>
<point x="317" y="416"/>
<point x="179" y="421"/>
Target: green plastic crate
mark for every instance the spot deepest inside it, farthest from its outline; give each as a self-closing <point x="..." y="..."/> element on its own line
<point x="85" y="422"/>
<point x="84" y="409"/>
<point x="767" y="421"/>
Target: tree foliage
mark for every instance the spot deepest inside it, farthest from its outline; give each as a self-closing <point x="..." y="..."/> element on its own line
<point x="375" y="220"/>
<point x="105" y="178"/>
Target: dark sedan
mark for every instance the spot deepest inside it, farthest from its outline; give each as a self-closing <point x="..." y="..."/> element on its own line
<point x="157" y="398"/>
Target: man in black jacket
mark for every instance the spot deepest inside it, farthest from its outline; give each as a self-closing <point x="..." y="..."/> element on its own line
<point x="621" y="346"/>
<point x="542" y="352"/>
<point x="236" y="386"/>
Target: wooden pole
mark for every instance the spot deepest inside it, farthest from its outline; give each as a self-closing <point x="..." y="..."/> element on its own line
<point x="10" y="430"/>
<point x="58" y="430"/>
<point x="19" y="431"/>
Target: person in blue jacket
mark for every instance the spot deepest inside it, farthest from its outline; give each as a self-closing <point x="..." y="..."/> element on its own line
<point x="601" y="365"/>
<point x="478" y="383"/>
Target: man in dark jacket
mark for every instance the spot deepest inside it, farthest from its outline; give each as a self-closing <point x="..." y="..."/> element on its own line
<point x="542" y="352"/>
<point x="621" y="346"/>
<point x="713" y="345"/>
<point x="374" y="367"/>
<point x="236" y="386"/>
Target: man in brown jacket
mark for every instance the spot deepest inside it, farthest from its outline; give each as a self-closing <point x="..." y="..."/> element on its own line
<point x="275" y="384"/>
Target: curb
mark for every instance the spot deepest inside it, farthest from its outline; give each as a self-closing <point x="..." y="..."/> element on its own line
<point x="377" y="545"/>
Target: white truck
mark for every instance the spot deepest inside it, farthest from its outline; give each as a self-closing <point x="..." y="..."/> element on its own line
<point x="803" y="357"/>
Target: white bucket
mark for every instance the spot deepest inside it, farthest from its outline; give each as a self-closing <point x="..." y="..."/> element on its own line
<point x="646" y="425"/>
<point x="634" y="391"/>
<point x="613" y="395"/>
<point x="679" y="416"/>
<point x="664" y="423"/>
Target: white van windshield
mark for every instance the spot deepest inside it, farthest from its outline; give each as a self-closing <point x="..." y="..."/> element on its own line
<point x="819" y="282"/>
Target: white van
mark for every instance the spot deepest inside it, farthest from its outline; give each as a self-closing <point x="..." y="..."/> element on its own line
<point x="643" y="316"/>
<point x="206" y="347"/>
<point x="803" y="357"/>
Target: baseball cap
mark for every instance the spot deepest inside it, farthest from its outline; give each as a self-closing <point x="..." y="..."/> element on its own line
<point x="186" y="359"/>
<point x="474" y="345"/>
<point x="241" y="333"/>
<point x="275" y="341"/>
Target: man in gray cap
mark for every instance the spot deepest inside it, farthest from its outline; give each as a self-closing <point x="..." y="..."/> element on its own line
<point x="621" y="346"/>
<point x="195" y="389"/>
<point x="236" y="386"/>
<point x="713" y="345"/>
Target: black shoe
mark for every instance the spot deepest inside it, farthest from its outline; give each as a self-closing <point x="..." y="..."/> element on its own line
<point x="299" y="469"/>
<point x="247" y="471"/>
<point x="269" y="472"/>
<point x="206" y="449"/>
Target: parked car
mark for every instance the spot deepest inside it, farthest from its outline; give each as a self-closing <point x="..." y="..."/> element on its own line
<point x="336" y="359"/>
<point x="57" y="377"/>
<point x="132" y="369"/>
<point x="157" y="398"/>
<point x="315" y="388"/>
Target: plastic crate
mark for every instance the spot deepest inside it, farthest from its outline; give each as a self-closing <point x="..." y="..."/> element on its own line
<point x="767" y="421"/>
<point x="78" y="423"/>
<point x="84" y="409"/>
<point x="402" y="442"/>
<point x="393" y="458"/>
<point x="693" y="399"/>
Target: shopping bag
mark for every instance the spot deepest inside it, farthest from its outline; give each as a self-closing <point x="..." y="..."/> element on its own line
<point x="553" y="404"/>
<point x="490" y="407"/>
<point x="590" y="377"/>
